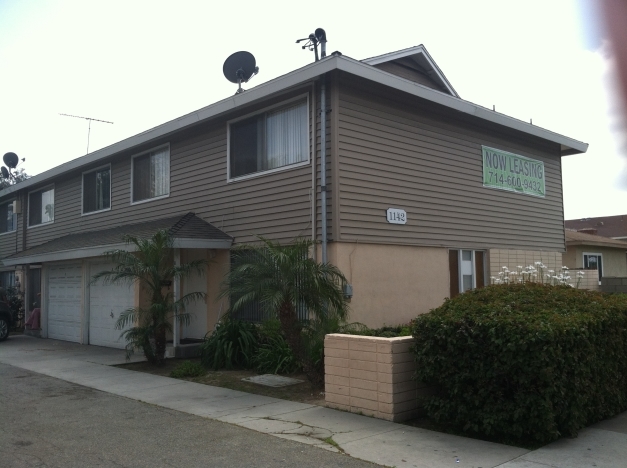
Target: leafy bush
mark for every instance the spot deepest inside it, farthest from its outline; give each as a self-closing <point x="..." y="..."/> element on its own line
<point x="274" y="354"/>
<point x="528" y="362"/>
<point x="188" y="369"/>
<point x="233" y="344"/>
<point x="384" y="332"/>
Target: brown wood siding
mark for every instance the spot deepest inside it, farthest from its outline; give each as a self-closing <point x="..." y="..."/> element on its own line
<point x="412" y="73"/>
<point x="401" y="152"/>
<point x="276" y="206"/>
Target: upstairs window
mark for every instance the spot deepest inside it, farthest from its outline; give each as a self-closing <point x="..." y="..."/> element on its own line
<point x="97" y="190"/>
<point x="270" y="140"/>
<point x="41" y="206"/>
<point x="151" y="175"/>
<point x="7" y="218"/>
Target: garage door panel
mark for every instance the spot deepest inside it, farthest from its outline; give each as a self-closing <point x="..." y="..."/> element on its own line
<point x="106" y="303"/>
<point x="64" y="302"/>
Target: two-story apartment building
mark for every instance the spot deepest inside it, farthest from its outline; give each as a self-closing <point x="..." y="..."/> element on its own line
<point x="427" y="194"/>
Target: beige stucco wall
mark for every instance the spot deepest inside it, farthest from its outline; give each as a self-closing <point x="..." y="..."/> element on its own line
<point x="614" y="260"/>
<point x="392" y="284"/>
<point x="219" y="264"/>
<point x="498" y="258"/>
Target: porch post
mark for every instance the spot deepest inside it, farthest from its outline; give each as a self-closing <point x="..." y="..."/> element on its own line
<point x="177" y="296"/>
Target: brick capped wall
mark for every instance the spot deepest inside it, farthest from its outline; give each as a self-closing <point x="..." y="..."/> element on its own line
<point x="372" y="376"/>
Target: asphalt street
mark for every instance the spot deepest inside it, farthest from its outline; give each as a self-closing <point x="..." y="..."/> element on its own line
<point x="46" y="422"/>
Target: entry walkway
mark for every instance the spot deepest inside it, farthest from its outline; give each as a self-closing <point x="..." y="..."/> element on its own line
<point x="381" y="442"/>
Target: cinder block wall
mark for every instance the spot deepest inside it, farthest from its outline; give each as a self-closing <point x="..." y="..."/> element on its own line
<point x="614" y="285"/>
<point x="499" y="258"/>
<point x="372" y="376"/>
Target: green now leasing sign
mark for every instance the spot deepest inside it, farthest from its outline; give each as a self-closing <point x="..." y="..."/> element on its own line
<point x="508" y="171"/>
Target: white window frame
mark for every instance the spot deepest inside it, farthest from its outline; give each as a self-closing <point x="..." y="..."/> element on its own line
<point x="596" y="254"/>
<point x="14" y="219"/>
<point x="43" y="189"/>
<point x="160" y="197"/>
<point x="83" y="190"/>
<point x="285" y="103"/>
<point x="473" y="269"/>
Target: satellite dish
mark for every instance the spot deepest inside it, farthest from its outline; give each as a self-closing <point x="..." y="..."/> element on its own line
<point x="239" y="68"/>
<point x="11" y="160"/>
<point x="5" y="172"/>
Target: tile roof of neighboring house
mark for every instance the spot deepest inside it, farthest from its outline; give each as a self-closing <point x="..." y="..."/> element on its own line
<point x="606" y="226"/>
<point x="188" y="228"/>
<point x="581" y="238"/>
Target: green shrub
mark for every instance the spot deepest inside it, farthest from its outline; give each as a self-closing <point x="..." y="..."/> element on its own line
<point x="274" y="354"/>
<point x="276" y="357"/>
<point x="526" y="362"/>
<point x="188" y="369"/>
<point x="384" y="332"/>
<point x="233" y="344"/>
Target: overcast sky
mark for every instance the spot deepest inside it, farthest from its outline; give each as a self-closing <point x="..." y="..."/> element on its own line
<point x="142" y="63"/>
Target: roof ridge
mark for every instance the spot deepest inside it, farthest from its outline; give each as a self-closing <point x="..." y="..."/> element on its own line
<point x="181" y="223"/>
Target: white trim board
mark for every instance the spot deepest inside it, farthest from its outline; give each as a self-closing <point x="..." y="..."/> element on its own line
<point x="98" y="251"/>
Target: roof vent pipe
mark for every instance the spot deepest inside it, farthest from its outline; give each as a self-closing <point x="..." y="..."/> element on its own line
<point x="321" y="36"/>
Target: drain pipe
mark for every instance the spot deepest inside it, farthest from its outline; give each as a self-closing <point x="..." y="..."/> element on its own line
<point x="323" y="167"/>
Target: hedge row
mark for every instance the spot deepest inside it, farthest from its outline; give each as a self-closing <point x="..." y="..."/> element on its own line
<point x="528" y="362"/>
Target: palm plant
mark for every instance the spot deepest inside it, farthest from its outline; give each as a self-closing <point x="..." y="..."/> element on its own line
<point x="282" y="279"/>
<point x="151" y="263"/>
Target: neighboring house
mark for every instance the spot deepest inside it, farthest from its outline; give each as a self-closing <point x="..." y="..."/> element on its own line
<point x="605" y="226"/>
<point x="589" y="252"/>
<point x="415" y="210"/>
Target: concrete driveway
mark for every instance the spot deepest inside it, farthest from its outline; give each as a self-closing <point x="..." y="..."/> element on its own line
<point x="373" y="440"/>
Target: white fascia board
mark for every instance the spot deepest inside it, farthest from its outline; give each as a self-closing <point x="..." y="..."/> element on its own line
<point x="202" y="244"/>
<point x="99" y="251"/>
<point x="420" y="49"/>
<point x="355" y="67"/>
<point x="297" y="77"/>
<point x="394" y="55"/>
<point x="73" y="254"/>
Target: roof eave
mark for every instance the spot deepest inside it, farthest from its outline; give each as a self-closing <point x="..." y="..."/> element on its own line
<point x="295" y="78"/>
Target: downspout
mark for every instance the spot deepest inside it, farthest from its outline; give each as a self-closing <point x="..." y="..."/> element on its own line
<point x="323" y="142"/>
<point x="323" y="167"/>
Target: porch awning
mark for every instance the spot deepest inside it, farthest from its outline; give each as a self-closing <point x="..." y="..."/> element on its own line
<point x="189" y="232"/>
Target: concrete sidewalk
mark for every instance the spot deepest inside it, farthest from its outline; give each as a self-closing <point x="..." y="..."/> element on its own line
<point x="377" y="441"/>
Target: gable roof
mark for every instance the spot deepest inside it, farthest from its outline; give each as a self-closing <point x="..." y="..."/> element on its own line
<point x="581" y="238"/>
<point x="188" y="231"/>
<point x="421" y="58"/>
<point x="605" y="226"/>
<point x="306" y="74"/>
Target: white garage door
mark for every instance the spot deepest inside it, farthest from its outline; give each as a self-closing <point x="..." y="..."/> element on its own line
<point x="64" y="302"/>
<point x="106" y="302"/>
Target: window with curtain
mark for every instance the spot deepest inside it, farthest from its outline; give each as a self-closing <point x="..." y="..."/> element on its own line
<point x="270" y="140"/>
<point x="41" y="207"/>
<point x="97" y="190"/>
<point x="7" y="218"/>
<point x="151" y="175"/>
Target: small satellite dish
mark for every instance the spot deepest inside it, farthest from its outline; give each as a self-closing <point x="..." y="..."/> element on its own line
<point x="11" y="160"/>
<point x="5" y="172"/>
<point x="320" y="35"/>
<point x="239" y="68"/>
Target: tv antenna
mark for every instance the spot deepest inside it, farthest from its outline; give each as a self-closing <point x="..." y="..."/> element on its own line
<point x="89" y="127"/>
<point x="239" y="68"/>
<point x="319" y="36"/>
